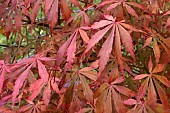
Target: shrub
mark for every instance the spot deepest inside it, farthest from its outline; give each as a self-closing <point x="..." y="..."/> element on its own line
<point x="85" y="56"/>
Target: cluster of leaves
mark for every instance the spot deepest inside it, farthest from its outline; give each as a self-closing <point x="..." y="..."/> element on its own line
<point x="85" y="56"/>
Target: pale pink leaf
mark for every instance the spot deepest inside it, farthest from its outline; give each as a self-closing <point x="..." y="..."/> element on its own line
<point x="141" y="76"/>
<point x="101" y="24"/>
<point x="130" y="102"/>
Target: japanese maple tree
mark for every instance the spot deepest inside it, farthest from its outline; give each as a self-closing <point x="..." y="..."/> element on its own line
<point x="85" y="56"/>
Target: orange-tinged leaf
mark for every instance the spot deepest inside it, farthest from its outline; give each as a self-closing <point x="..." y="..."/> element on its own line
<point x="136" y="5"/>
<point x="168" y="22"/>
<point x="105" y="2"/>
<point x="112" y="6"/>
<point x="62" y="50"/>
<point x="71" y="50"/>
<point x="96" y="37"/>
<point x="130" y="10"/>
<point x="101" y="102"/>
<point x="143" y="88"/>
<point x="148" y="41"/>
<point x="118" y="102"/>
<point x="100" y="90"/>
<point x="108" y="108"/>
<point x="105" y="51"/>
<point x="131" y="28"/>
<point x="84" y="35"/>
<point x="68" y="96"/>
<point x="118" y="80"/>
<point x="151" y="97"/>
<point x="65" y="9"/>
<point x="89" y="73"/>
<point x="42" y="71"/>
<point x="47" y="95"/>
<point x="150" y="65"/>
<point x="117" y="52"/>
<point x="127" y="41"/>
<point x="162" y="94"/>
<point x="141" y="76"/>
<point x="19" y="82"/>
<point x="158" y="68"/>
<point x="162" y="79"/>
<point x="125" y="91"/>
<point x="87" y="91"/>
<point x="156" y="50"/>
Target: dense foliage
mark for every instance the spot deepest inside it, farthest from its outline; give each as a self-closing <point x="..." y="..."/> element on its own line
<point x="85" y="56"/>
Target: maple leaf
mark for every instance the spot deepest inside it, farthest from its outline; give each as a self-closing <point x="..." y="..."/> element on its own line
<point x="82" y="13"/>
<point x="69" y="46"/>
<point x="65" y="10"/>
<point x="106" y="92"/>
<point x="53" y="15"/>
<point x="33" y="108"/>
<point x="28" y="63"/>
<point x="4" y="68"/>
<point x="152" y="79"/>
<point x="89" y="71"/>
<point x="121" y="35"/>
<point x="140" y="106"/>
<point x="6" y="110"/>
<point x="35" y="11"/>
<point x="124" y="3"/>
